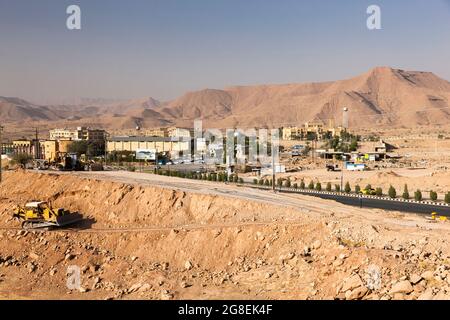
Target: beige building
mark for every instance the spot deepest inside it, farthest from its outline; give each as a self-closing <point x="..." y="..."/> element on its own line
<point x="158" y="132"/>
<point x="50" y="150"/>
<point x="291" y="133"/>
<point x="316" y="127"/>
<point x="80" y="133"/>
<point x="160" y="144"/>
<point x="32" y="147"/>
<point x="176" y="132"/>
<point x="57" y="134"/>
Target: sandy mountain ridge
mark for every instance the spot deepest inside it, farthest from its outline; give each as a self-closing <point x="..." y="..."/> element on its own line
<point x="380" y="97"/>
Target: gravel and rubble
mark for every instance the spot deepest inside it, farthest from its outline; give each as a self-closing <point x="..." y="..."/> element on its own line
<point x="187" y="248"/>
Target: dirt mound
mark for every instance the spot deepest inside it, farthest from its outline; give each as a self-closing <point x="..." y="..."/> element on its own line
<point x="157" y="243"/>
<point x="112" y="203"/>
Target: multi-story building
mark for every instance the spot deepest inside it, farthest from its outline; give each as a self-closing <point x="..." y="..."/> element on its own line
<point x="158" y="132"/>
<point x="176" y="132"/>
<point x="172" y="146"/>
<point x="316" y="128"/>
<point x="292" y="133"/>
<point x="50" y="150"/>
<point x="57" y="134"/>
<point x="32" y="147"/>
<point x="7" y="148"/>
<point x="78" y="134"/>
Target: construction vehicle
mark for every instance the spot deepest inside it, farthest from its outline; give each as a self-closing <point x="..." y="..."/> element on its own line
<point x="39" y="214"/>
<point x="369" y="192"/>
<point x="332" y="167"/>
<point x="436" y="217"/>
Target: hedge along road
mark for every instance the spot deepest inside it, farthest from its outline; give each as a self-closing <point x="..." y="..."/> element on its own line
<point x="375" y="202"/>
<point x="207" y="187"/>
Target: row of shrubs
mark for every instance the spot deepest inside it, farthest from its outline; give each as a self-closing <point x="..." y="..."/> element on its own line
<point x="392" y="192"/>
<point x="220" y="177"/>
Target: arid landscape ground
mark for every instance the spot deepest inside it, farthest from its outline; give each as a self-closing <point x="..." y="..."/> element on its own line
<point x="155" y="237"/>
<point x="147" y="236"/>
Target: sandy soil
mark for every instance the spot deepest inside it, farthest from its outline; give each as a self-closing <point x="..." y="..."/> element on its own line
<point x="154" y="237"/>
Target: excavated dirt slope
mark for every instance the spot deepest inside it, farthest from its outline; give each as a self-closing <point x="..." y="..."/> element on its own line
<point x="152" y="243"/>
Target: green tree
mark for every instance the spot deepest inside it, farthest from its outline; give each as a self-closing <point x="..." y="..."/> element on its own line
<point x="418" y="195"/>
<point x="78" y="147"/>
<point x="279" y="182"/>
<point x="255" y="181"/>
<point x="347" y="187"/>
<point x="241" y="180"/>
<point x="311" y="185"/>
<point x="337" y="188"/>
<point x="288" y="183"/>
<point x="392" y="193"/>
<point x="295" y="186"/>
<point x="302" y="184"/>
<point x="433" y="195"/>
<point x="267" y="183"/>
<point x="21" y="158"/>
<point x="357" y="189"/>
<point x="405" y="194"/>
<point x="368" y="187"/>
<point x="447" y="198"/>
<point x="328" y="186"/>
<point x="318" y="186"/>
<point x="379" y="192"/>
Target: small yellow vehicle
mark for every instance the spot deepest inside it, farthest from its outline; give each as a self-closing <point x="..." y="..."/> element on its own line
<point x="369" y="192"/>
<point x="39" y="214"/>
<point x="435" y="216"/>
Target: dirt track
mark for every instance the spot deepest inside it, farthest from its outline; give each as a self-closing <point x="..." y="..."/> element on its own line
<point x="155" y="237"/>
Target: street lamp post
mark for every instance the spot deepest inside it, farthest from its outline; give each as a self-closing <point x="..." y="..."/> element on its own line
<point x="106" y="150"/>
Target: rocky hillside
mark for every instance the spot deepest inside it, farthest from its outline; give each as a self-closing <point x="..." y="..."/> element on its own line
<point x="381" y="97"/>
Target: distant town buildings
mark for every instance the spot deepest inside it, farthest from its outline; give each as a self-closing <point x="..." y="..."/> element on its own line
<point x="78" y="134"/>
<point x="170" y="145"/>
<point x="176" y="132"/>
<point x="58" y="144"/>
<point x="311" y="130"/>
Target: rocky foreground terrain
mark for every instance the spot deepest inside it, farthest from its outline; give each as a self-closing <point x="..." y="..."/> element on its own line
<point x="141" y="242"/>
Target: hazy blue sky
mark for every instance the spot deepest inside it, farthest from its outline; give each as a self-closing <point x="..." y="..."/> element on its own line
<point x="162" y="48"/>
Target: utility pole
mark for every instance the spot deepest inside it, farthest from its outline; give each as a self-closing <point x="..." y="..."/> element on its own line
<point x="273" y="166"/>
<point x="344" y="127"/>
<point x="1" y="152"/>
<point x="106" y="148"/>
<point x="36" y="145"/>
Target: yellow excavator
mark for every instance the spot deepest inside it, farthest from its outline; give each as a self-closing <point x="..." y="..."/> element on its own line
<point x="39" y="214"/>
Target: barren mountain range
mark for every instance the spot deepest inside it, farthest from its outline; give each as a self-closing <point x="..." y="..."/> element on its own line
<point x="381" y="97"/>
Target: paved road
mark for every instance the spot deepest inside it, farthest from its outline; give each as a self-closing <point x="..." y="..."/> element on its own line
<point x="287" y="198"/>
<point x="385" y="204"/>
